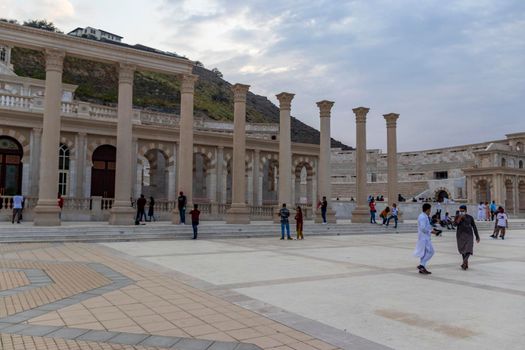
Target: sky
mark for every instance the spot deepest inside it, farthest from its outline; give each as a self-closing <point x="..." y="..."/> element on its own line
<point x="454" y="70"/>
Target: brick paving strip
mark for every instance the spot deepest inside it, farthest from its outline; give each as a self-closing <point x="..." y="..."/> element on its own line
<point x="15" y="333"/>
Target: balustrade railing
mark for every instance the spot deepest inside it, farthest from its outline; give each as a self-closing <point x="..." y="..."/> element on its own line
<point x="106" y="203"/>
<point x="262" y="211"/>
<point x="73" y="203"/>
<point x="15" y="101"/>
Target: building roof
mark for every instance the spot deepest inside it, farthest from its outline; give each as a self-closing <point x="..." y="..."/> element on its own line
<point x="102" y="31"/>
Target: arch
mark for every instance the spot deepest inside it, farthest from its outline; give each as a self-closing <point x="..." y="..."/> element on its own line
<point x="303" y="176"/>
<point x="103" y="161"/>
<point x="482" y="188"/>
<point x="509" y="195"/>
<point x="11" y="154"/>
<point x="270" y="175"/>
<point x="166" y="149"/>
<point x="442" y="194"/>
<point x="521" y="196"/>
<point x="63" y="169"/>
<point x="202" y="168"/>
<point x="154" y="179"/>
<point x="94" y="144"/>
<point x="20" y="138"/>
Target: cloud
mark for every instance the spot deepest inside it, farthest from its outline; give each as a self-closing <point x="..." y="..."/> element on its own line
<point x="52" y="10"/>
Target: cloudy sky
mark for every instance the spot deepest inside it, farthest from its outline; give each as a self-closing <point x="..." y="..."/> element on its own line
<point x="454" y="70"/>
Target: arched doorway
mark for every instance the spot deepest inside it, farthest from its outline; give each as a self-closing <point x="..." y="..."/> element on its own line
<point x="11" y="153"/>
<point x="442" y="196"/>
<point x="201" y="178"/>
<point x="509" y="196"/>
<point x="303" y="183"/>
<point x="155" y="174"/>
<point x="521" y="193"/>
<point x="270" y="185"/>
<point x="482" y="191"/>
<point x="103" y="171"/>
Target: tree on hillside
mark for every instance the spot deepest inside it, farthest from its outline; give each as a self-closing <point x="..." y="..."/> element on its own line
<point x="12" y="21"/>
<point x="42" y="24"/>
<point x="217" y="72"/>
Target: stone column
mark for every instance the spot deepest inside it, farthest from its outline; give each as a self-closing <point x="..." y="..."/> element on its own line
<point x="221" y="183"/>
<point x="285" y="149"/>
<point x="81" y="163"/>
<point x="361" y="212"/>
<point x="36" y="141"/>
<point x="185" y="159"/>
<point x="239" y="212"/>
<point x="46" y="210"/>
<point x="325" y="186"/>
<point x="122" y="212"/>
<point x="256" y="174"/>
<point x="391" y="137"/>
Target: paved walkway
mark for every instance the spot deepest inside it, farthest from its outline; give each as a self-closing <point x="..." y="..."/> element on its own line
<point x="323" y="293"/>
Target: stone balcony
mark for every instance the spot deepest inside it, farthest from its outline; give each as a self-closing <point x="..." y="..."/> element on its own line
<point x="85" y="110"/>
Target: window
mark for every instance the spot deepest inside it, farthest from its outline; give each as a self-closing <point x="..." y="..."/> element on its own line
<point x="373" y="177"/>
<point x="63" y="169"/>
<point x="520" y="164"/>
<point x="3" y="54"/>
<point x="440" y="175"/>
<point x="503" y="162"/>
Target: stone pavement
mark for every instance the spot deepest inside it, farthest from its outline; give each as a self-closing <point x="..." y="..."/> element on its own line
<point x="85" y="296"/>
<point x="323" y="293"/>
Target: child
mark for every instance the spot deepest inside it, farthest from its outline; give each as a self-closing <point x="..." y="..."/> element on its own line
<point x="195" y="219"/>
<point x="384" y="215"/>
<point x="299" y="223"/>
<point x="394" y="215"/>
<point x="502" y="224"/>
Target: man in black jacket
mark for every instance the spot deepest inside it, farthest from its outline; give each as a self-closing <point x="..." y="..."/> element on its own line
<point x="181" y="205"/>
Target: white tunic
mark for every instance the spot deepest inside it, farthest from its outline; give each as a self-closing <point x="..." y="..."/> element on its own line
<point x="424" y="232"/>
<point x="481" y="212"/>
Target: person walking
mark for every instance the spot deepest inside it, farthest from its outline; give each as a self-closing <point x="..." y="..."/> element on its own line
<point x="284" y="214"/>
<point x="18" y="202"/>
<point x="493" y="210"/>
<point x="372" y="206"/>
<point x="141" y="205"/>
<point x="151" y="209"/>
<point x="480" y="211"/>
<point x="299" y="222"/>
<point x="502" y="224"/>
<point x="324" y="207"/>
<point x="465" y="228"/>
<point x="60" y="202"/>
<point x="195" y="213"/>
<point x="393" y="215"/>
<point x="424" y="249"/>
<point x="181" y="205"/>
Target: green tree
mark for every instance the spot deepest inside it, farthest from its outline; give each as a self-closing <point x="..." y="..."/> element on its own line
<point x="12" y="21"/>
<point x="42" y="24"/>
<point x="217" y="72"/>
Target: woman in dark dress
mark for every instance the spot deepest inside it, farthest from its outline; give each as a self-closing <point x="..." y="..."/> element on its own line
<point x="466" y="230"/>
<point x="151" y="209"/>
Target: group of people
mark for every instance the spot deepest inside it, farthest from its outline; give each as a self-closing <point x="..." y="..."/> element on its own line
<point x="486" y="211"/>
<point x="141" y="210"/>
<point x="386" y="215"/>
<point x="466" y="231"/>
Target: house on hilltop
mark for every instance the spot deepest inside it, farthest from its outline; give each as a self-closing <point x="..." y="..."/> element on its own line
<point x="92" y="33"/>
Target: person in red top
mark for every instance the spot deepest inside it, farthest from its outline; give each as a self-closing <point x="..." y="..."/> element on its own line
<point x="372" y="206"/>
<point x="299" y="223"/>
<point x="195" y="219"/>
<point x="60" y="202"/>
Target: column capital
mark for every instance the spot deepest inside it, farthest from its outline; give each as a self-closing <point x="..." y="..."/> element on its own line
<point x="37" y="131"/>
<point x="285" y="100"/>
<point x="82" y="134"/>
<point x="360" y="114"/>
<point x="126" y="73"/>
<point x="188" y="83"/>
<point x="325" y="108"/>
<point x="54" y="59"/>
<point x="391" y="119"/>
<point x="239" y="92"/>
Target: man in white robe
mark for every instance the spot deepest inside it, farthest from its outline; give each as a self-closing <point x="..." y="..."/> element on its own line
<point x="481" y="211"/>
<point x="424" y="249"/>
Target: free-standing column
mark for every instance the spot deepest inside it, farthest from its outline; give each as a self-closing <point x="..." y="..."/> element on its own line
<point x="256" y="175"/>
<point x="239" y="212"/>
<point x="185" y="160"/>
<point x="46" y="210"/>
<point x="391" y="139"/>
<point x="36" y="142"/>
<point x="122" y="212"/>
<point x="325" y="189"/>
<point x="81" y="148"/>
<point x="361" y="213"/>
<point x="285" y="149"/>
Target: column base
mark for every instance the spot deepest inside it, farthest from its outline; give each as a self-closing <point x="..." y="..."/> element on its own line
<point x="46" y="214"/>
<point x="239" y="213"/>
<point x="361" y="215"/>
<point x="122" y="214"/>
<point x="330" y="216"/>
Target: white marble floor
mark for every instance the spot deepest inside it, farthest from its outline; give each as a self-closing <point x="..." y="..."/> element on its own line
<point x="367" y="286"/>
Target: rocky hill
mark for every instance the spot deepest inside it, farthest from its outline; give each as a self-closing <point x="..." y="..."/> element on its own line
<point x="97" y="83"/>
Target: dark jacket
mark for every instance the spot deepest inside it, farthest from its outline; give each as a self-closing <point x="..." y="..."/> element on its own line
<point x="465" y="232"/>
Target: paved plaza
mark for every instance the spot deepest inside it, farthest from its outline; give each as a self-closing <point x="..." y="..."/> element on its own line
<point x="323" y="293"/>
